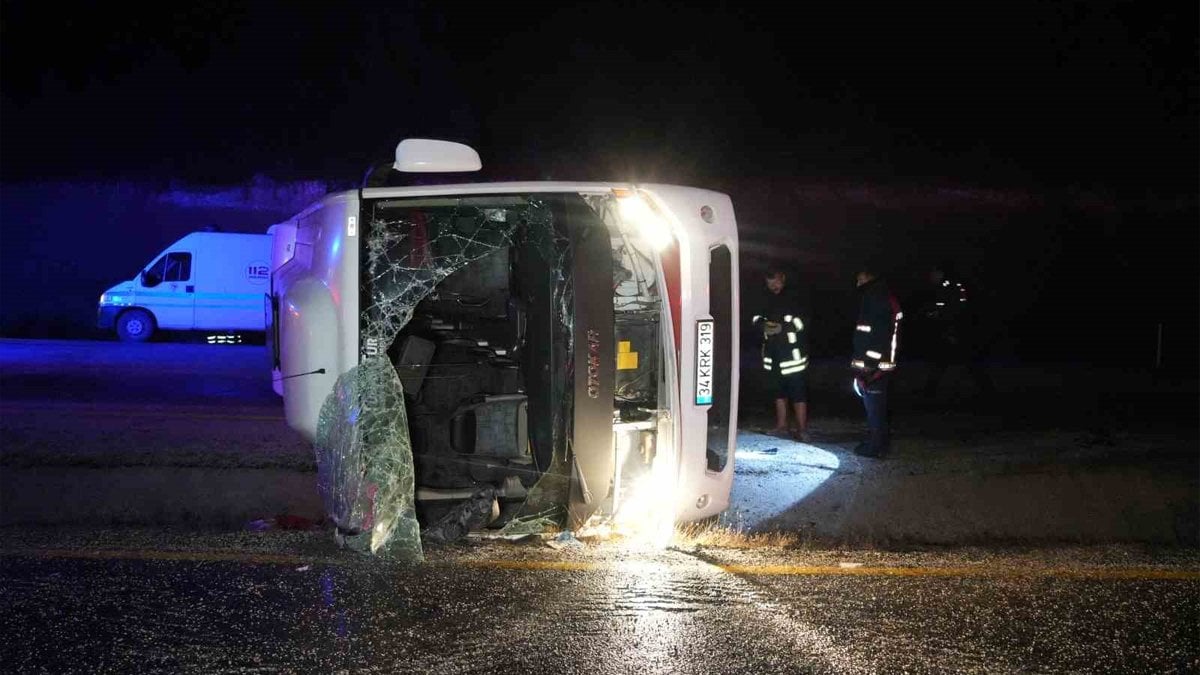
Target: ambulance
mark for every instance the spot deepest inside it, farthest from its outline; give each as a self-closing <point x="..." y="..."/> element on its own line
<point x="206" y="281"/>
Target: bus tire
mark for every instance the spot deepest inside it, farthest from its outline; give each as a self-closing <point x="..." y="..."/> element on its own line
<point x="135" y="325"/>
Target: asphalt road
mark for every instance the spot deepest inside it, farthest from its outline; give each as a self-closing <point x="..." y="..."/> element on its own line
<point x="163" y="433"/>
<point x="154" y="373"/>
<point x="279" y="601"/>
<point x="111" y="404"/>
<point x="289" y="602"/>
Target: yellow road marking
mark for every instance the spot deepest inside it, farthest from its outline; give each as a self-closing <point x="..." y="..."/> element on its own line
<point x="981" y="571"/>
<point x="1102" y="574"/>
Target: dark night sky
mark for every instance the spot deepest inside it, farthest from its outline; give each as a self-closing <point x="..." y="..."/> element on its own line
<point x="1090" y="94"/>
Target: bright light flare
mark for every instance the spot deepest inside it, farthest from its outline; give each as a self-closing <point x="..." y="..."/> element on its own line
<point x="645" y="512"/>
<point x="650" y="225"/>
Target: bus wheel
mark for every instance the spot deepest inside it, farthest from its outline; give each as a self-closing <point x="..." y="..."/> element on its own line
<point x="135" y="325"/>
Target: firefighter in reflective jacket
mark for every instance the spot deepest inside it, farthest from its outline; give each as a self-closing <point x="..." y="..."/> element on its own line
<point x="956" y="338"/>
<point x="784" y="353"/>
<point x="875" y="343"/>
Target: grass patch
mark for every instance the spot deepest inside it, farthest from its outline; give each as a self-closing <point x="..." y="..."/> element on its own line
<point x="723" y="536"/>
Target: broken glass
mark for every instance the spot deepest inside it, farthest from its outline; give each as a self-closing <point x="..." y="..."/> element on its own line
<point x="364" y="462"/>
<point x="466" y="394"/>
<point x="464" y="381"/>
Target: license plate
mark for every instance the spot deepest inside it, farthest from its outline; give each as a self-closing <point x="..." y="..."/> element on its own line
<point x="704" y="362"/>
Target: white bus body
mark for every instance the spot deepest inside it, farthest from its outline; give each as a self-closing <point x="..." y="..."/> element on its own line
<point x="648" y="372"/>
<point x="283" y="247"/>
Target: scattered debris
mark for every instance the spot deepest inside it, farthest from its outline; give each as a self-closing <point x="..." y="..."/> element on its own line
<point x="597" y="527"/>
<point x="471" y="514"/>
<point x="304" y="568"/>
<point x="565" y="540"/>
<point x="527" y="525"/>
<point x="495" y="535"/>
<point x="282" y="522"/>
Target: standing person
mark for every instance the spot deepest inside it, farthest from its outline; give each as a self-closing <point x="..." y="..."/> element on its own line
<point x="874" y="358"/>
<point x="955" y="331"/>
<point x="785" y="352"/>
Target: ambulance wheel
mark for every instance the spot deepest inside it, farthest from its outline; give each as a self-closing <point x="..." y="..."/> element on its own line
<point x="135" y="325"/>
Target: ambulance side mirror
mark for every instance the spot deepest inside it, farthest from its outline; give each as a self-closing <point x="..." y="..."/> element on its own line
<point x="150" y="279"/>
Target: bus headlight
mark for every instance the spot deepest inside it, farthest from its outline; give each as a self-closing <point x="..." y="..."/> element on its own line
<point x="650" y="225"/>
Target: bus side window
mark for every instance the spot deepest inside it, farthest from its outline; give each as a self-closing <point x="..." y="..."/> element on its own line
<point x="720" y="307"/>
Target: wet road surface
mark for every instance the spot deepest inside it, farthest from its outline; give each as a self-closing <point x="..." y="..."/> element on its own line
<point x="118" y="601"/>
<point x="153" y="373"/>
<point x="104" y="404"/>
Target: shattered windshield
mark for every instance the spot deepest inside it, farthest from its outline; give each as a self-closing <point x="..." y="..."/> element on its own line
<point x="456" y="292"/>
<point x="510" y="371"/>
<point x="467" y="408"/>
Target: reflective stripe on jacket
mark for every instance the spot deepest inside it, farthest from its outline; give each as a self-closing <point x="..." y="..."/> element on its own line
<point x="877" y="332"/>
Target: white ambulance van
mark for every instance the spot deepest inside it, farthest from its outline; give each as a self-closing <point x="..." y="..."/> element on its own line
<point x="211" y="281"/>
<point x="587" y="329"/>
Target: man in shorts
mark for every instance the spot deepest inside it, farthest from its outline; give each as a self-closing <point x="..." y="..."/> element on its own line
<point x="785" y="353"/>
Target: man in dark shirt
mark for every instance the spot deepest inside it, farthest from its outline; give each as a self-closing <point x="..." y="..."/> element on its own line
<point x="876" y="338"/>
<point x="785" y="352"/>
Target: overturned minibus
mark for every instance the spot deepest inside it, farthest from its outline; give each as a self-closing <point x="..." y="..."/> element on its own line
<point x="506" y="354"/>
